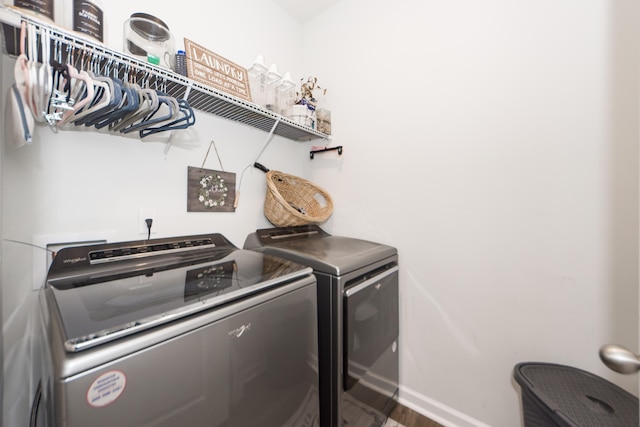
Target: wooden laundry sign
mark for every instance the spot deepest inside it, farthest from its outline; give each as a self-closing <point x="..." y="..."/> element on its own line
<point x="213" y="70"/>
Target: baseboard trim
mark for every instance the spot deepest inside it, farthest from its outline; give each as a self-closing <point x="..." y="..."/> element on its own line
<point x="435" y="410"/>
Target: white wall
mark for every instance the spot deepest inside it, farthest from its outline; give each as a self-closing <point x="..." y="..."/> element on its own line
<point x="494" y="143"/>
<point x="78" y="185"/>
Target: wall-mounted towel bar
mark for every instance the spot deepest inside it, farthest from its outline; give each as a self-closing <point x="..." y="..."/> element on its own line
<point x="322" y="150"/>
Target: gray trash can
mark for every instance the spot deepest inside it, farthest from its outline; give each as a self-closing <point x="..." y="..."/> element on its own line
<point x="557" y="395"/>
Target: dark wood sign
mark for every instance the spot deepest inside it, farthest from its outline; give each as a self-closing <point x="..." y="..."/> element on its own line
<point x="213" y="70"/>
<point x="210" y="190"/>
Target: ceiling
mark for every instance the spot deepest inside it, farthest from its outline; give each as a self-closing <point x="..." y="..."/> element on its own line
<point x="303" y="10"/>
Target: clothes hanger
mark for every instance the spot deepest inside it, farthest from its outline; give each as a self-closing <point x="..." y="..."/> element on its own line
<point x="32" y="69"/>
<point x="148" y="103"/>
<point x="82" y="86"/>
<point x="109" y="99"/>
<point x="45" y="74"/>
<point x="167" y="109"/>
<point x="135" y="89"/>
<point x="187" y="119"/>
<point x="59" y="99"/>
<point x="128" y="104"/>
<point x="99" y="89"/>
<point x="81" y="92"/>
<point x="22" y="72"/>
<point x="18" y="114"/>
<point x="140" y="112"/>
<point x="40" y="74"/>
<point x="181" y="119"/>
<point x="142" y="103"/>
<point x="21" y="69"/>
<point x="103" y="89"/>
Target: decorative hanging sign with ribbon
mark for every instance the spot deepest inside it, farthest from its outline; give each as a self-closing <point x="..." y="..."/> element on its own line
<point x="210" y="190"/>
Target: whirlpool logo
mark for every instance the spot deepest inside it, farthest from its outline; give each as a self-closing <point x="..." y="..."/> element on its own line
<point x="74" y="260"/>
<point x="239" y="331"/>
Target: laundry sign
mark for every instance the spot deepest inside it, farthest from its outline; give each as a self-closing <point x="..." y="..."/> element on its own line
<point x="213" y="70"/>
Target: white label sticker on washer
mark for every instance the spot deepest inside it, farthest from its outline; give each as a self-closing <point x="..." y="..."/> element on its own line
<point x="106" y="388"/>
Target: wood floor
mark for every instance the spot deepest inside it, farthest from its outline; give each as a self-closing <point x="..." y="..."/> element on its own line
<point x="409" y="418"/>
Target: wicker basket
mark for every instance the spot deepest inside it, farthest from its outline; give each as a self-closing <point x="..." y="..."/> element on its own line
<point x="291" y="200"/>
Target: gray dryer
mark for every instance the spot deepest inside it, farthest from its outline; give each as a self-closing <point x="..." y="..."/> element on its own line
<point x="357" y="319"/>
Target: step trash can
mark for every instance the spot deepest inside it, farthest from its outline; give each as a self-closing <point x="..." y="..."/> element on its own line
<point x="558" y="395"/>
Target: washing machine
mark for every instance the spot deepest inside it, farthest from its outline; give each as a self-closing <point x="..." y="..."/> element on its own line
<point x="357" y="296"/>
<point x="185" y="330"/>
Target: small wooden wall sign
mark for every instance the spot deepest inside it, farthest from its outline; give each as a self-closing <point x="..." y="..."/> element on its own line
<point x="210" y="190"/>
<point x="213" y="70"/>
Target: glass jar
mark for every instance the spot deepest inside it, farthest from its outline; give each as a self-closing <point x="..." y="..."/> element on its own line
<point x="323" y="121"/>
<point x="149" y="39"/>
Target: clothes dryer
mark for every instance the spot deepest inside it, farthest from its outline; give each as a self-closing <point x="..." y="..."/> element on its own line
<point x="357" y="319"/>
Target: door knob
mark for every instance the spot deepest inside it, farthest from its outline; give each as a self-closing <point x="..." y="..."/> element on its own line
<point x="619" y="359"/>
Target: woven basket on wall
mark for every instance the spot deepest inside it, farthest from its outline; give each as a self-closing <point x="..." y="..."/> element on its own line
<point x="291" y="200"/>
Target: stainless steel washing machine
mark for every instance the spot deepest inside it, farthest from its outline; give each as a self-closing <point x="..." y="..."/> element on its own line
<point x="185" y="331"/>
<point x="357" y="315"/>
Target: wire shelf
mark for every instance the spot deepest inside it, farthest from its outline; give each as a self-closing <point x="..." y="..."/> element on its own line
<point x="76" y="49"/>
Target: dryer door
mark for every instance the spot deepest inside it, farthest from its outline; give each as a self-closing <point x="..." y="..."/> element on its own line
<point x="371" y="330"/>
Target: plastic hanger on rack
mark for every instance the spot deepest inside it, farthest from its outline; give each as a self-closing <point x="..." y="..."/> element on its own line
<point x="113" y="100"/>
<point x="81" y="92"/>
<point x="129" y="104"/>
<point x="103" y="96"/>
<point x="186" y="119"/>
<point x="19" y="120"/>
<point x="148" y="104"/>
<point x="167" y="110"/>
<point x="59" y="98"/>
<point x="123" y="100"/>
<point x="40" y="73"/>
<point x="32" y="69"/>
<point x="72" y="89"/>
<point x="45" y="74"/>
<point x="21" y="70"/>
<point x="103" y="89"/>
